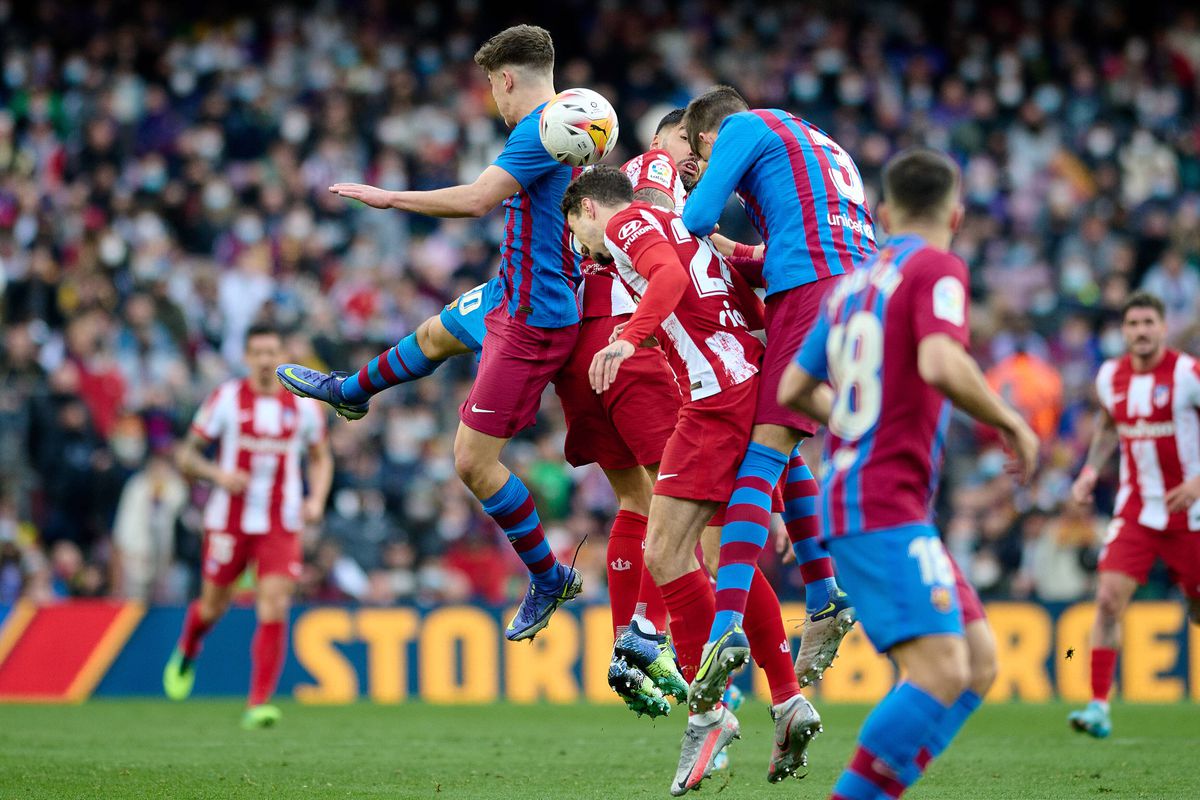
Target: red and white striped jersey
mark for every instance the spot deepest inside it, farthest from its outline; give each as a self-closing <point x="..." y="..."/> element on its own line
<point x="655" y="169"/>
<point x="601" y="293"/>
<point x="1157" y="414"/>
<point x="263" y="436"/>
<point x="706" y="339"/>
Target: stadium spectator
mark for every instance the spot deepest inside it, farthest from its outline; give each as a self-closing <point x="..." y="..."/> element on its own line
<point x="162" y="187"/>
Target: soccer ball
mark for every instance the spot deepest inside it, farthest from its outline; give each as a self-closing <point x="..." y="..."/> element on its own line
<point x="578" y="127"/>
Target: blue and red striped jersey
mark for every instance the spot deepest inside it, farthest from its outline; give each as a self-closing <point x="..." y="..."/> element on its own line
<point x="888" y="426"/>
<point x="538" y="266"/>
<point x="802" y="192"/>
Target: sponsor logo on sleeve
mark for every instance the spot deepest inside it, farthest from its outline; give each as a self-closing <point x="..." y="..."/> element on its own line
<point x="659" y="172"/>
<point x="950" y="300"/>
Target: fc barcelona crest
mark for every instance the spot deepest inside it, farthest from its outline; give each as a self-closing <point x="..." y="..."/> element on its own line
<point x="1162" y="395"/>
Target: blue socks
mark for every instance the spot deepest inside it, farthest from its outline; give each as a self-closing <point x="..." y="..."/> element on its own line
<point x="400" y="364"/>
<point x="747" y="523"/>
<point x="513" y="509"/>
<point x="889" y="742"/>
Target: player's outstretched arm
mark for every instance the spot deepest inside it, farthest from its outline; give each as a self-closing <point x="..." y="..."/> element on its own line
<point x="489" y="190"/>
<point x="945" y="365"/>
<point x="738" y="145"/>
<point x="1104" y="443"/>
<point x="806" y="393"/>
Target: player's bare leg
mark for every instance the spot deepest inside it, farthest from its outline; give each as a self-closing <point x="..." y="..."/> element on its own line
<point x="1113" y="593"/>
<point x="268" y="650"/>
<point x="1194" y="610"/>
<point x="414" y="357"/>
<point x="506" y="500"/>
<point x="179" y="675"/>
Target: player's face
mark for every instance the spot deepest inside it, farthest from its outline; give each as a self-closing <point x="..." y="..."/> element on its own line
<point x="263" y="354"/>
<point x="589" y="232"/>
<point x="675" y="142"/>
<point x="1145" y="332"/>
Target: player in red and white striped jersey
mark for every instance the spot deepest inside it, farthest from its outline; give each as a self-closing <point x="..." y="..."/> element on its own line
<point x="699" y="312"/>
<point x="256" y="512"/>
<point x="1150" y="409"/>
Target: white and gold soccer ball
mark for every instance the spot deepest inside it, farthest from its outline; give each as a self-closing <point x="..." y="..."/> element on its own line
<point x="578" y="127"/>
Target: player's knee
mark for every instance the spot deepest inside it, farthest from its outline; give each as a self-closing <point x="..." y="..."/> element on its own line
<point x="983" y="673"/>
<point x="1109" y="606"/>
<point x="468" y="464"/>
<point x="212" y="607"/>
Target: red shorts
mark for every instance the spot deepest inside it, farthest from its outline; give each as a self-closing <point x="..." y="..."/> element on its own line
<point x="718" y="517"/>
<point x="790" y="316"/>
<point x="517" y="364"/>
<point x="1131" y="549"/>
<point x="629" y="424"/>
<point x="226" y="555"/>
<point x="702" y="456"/>
<point x="968" y="599"/>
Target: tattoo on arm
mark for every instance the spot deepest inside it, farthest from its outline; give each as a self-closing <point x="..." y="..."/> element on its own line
<point x="1104" y="441"/>
<point x="655" y="197"/>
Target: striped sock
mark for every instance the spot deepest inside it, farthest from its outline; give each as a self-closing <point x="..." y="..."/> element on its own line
<point x="941" y="736"/>
<point x="800" y="519"/>
<point x="890" y="740"/>
<point x="747" y="521"/>
<point x="400" y="364"/>
<point x="513" y="509"/>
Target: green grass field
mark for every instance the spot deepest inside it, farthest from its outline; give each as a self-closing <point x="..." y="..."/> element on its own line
<point x="151" y="749"/>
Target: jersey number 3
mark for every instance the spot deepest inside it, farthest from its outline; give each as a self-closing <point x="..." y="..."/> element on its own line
<point x="845" y="177"/>
<point x="855" y="353"/>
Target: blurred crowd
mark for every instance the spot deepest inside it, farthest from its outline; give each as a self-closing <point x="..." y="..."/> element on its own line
<point x="163" y="175"/>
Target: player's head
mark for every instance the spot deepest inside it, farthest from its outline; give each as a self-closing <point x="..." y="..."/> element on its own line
<point x="671" y="135"/>
<point x="705" y="114"/>
<point x="517" y="60"/>
<point x="264" y="352"/>
<point x="590" y="202"/>
<point x="1144" y="325"/>
<point x="921" y="189"/>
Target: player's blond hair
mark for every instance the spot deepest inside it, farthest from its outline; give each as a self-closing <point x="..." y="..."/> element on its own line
<point x="518" y="46"/>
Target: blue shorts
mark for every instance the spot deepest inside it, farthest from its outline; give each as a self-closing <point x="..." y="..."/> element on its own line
<point x="901" y="581"/>
<point x="465" y="315"/>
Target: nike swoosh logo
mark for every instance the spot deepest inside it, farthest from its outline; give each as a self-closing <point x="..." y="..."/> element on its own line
<point x="476" y="409"/>
<point x="668" y="475"/>
<point x="291" y="374"/>
<point x="825" y="610"/>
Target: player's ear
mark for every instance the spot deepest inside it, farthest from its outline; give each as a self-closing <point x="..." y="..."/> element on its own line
<point x="507" y="75"/>
<point x="885" y="216"/>
<point x="956" y="217"/>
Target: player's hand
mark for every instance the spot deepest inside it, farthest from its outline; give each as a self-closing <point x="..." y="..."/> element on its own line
<point x="234" y="482"/>
<point x="313" y="509"/>
<point x="783" y="546"/>
<point x="1182" y="496"/>
<point x="371" y="195"/>
<point x="1084" y="486"/>
<point x="606" y="363"/>
<point x="1023" y="444"/>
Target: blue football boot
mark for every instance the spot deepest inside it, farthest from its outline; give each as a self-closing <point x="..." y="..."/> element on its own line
<point x="537" y="607"/>
<point x="652" y="654"/>
<point x="306" y="382"/>
<point x="1092" y="720"/>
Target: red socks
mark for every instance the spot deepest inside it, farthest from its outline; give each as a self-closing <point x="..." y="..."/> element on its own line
<point x="266" y="660"/>
<point x="626" y="541"/>
<point x="1104" y="665"/>
<point x="194" y="629"/>
<point x="692" y="605"/>
<point x="769" y="646"/>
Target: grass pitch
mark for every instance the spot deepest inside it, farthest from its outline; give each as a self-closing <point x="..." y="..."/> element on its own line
<point x="152" y="749"/>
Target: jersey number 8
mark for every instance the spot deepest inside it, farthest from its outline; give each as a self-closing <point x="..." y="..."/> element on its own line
<point x="855" y="354"/>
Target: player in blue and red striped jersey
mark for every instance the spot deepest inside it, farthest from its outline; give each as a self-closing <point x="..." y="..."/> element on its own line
<point x="891" y="342"/>
<point x="530" y="334"/>
<point x="805" y="197"/>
